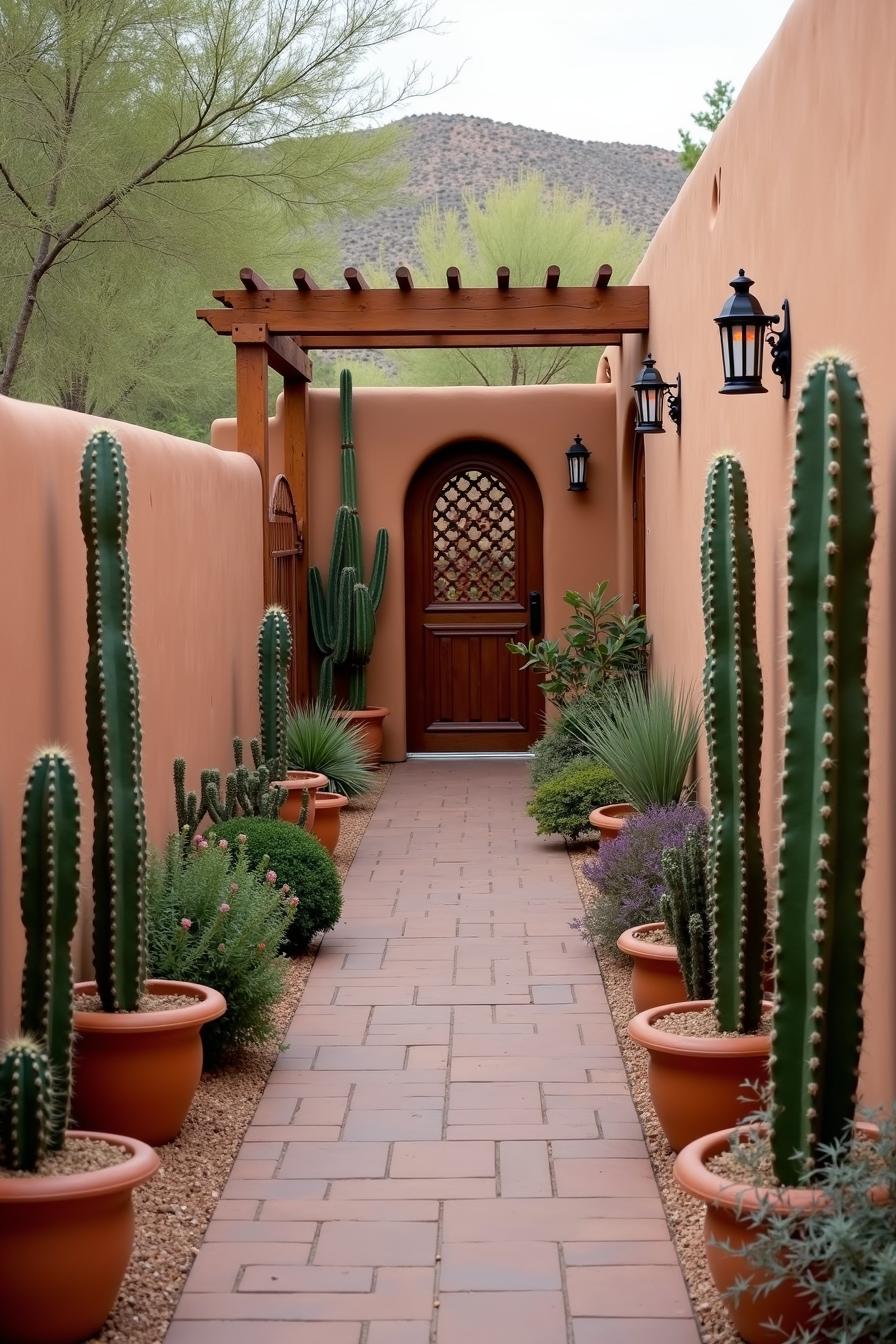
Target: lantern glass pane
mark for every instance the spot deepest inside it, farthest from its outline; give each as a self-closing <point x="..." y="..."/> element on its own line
<point x="725" y="334"/>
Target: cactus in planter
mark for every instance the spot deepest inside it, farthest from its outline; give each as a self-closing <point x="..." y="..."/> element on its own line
<point x="274" y="658"/>
<point x="113" y="731"/>
<point x="50" y="877"/>
<point x="343" y="617"/>
<point x="685" y="909"/>
<point x="26" y="1105"/>
<point x="819" y="932"/>
<point x="732" y="691"/>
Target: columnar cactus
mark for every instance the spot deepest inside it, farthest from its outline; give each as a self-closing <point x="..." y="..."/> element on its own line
<point x="274" y="658"/>
<point x="113" y="731"/>
<point x="685" y="908"/>
<point x="26" y="1105"/>
<point x="732" y="691"/>
<point x="50" y="877"/>
<point x="819" y="933"/>
<point x="343" y="618"/>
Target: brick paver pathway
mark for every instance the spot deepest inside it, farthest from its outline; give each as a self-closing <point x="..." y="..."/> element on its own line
<point x="447" y="1153"/>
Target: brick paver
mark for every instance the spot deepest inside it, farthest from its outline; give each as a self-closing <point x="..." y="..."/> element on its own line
<point x="446" y="1152"/>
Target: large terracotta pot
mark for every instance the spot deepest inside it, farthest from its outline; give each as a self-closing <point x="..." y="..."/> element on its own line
<point x="300" y="784"/>
<point x="656" y="974"/>
<point x="370" y="724"/>
<point x="66" y="1242"/>
<point x="608" y="821"/>
<point x="328" y="819"/>
<point x="136" y="1073"/>
<point x="697" y="1083"/>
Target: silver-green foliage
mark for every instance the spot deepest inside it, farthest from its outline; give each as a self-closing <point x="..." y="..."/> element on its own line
<point x="316" y="739"/>
<point x="684" y="907"/>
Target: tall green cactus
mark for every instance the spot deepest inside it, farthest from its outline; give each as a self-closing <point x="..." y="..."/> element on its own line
<point x="50" y="877"/>
<point x="113" y="731"/>
<point x="343" y="618"/>
<point x="26" y="1105"/>
<point x="732" y="691"/>
<point x="819" y="932"/>
<point x="684" y="907"/>
<point x="274" y="658"/>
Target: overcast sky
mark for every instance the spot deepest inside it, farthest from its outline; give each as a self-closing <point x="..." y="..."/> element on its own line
<point x="630" y="70"/>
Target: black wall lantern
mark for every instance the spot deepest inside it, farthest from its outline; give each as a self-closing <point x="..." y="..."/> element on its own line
<point x="744" y="328"/>
<point x="577" y="456"/>
<point x="650" y="398"/>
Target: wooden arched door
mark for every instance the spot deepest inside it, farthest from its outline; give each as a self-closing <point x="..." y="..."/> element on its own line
<point x="473" y="548"/>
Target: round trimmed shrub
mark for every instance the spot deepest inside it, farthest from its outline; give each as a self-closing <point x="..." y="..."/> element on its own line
<point x="562" y="804"/>
<point x="298" y="859"/>
<point x="553" y="753"/>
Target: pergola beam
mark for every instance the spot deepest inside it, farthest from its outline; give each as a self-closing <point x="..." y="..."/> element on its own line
<point x="452" y="275"/>
<point x="552" y="277"/>
<point x="303" y="280"/>
<point x="284" y="355"/>
<point x="355" y="280"/>
<point x="602" y="279"/>
<point x="405" y="279"/>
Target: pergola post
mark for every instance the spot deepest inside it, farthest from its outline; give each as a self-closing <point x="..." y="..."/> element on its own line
<point x="295" y="468"/>
<point x="252" y="420"/>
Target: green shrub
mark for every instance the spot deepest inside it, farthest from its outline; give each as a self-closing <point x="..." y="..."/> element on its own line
<point x="217" y="922"/>
<point x="317" y="740"/>
<point x="298" y="859"/>
<point x="561" y="746"/>
<point x="561" y="806"/>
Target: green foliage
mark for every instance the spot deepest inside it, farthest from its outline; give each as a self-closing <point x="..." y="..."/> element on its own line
<point x="732" y="701"/>
<point x="718" y="102"/>
<point x="554" y="752"/>
<point x="561" y="805"/>
<point x="26" y="1105"/>
<point x="298" y="859"/>
<point x="274" y="658"/>
<point x="215" y="921"/>
<point x="343" y="615"/>
<point x="819" y="934"/>
<point x="50" y="877"/>
<point x="601" y="644"/>
<point x="113" y="731"/>
<point x="684" y="907"/>
<point x="317" y="740"/>
<point x="646" y="738"/>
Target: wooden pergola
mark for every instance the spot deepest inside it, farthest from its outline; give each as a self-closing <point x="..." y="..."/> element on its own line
<point x="276" y="328"/>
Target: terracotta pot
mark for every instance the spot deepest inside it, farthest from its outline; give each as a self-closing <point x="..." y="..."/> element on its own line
<point x="136" y="1073"/>
<point x="66" y="1245"/>
<point x="328" y="819"/>
<point x="656" y="974"/>
<point x="298" y="785"/>
<point x="610" y="820"/>
<point x="370" y="723"/>
<point x="697" y="1082"/>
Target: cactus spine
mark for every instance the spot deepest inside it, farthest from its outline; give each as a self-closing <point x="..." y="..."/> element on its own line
<point x="113" y="731"/>
<point x="274" y="658"/>
<point x="26" y="1105"/>
<point x="819" y="933"/>
<point x="343" y="618"/>
<point x="732" y="691"/>
<point x="50" y="877"/>
<point x="685" y="909"/>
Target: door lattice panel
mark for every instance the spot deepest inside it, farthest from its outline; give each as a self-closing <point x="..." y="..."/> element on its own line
<point x="474" y="539"/>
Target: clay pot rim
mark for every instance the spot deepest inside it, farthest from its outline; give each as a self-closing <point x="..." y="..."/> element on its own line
<point x="610" y="817"/>
<point x="306" y="780"/>
<point x="209" y="1005"/>
<point x="137" y="1169"/>
<point x="633" y="946"/>
<point x="643" y="1032"/>
<point x="327" y="801"/>
<point x="369" y="712"/>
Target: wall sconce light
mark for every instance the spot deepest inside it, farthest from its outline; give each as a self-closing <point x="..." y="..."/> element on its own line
<point x="577" y="456"/>
<point x="743" y="327"/>
<point x="650" y="398"/>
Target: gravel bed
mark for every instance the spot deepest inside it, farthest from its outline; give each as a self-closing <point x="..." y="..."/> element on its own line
<point x="174" y="1209"/>
<point x="659" y="937"/>
<point x="77" y="1157"/>
<point x="149" y="1003"/>
<point x="684" y="1215"/>
<point x="704" y="1024"/>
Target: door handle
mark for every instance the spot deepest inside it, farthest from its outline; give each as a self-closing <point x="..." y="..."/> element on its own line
<point x="535" y="622"/>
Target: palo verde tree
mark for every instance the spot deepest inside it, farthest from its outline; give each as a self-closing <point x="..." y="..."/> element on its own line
<point x="718" y="102"/>
<point x="131" y="124"/>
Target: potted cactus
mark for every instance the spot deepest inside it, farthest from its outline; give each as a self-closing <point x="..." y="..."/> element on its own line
<point x="136" y="1065"/>
<point x="66" y="1222"/>
<point x="697" y="1073"/>
<point x="819" y="934"/>
<point x="343" y="618"/>
<point x="274" y="658"/>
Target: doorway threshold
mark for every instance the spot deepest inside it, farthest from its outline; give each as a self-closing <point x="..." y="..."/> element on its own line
<point x="469" y="755"/>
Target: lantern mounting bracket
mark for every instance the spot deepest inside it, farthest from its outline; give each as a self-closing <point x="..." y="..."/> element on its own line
<point x="781" y="350"/>
<point x="675" y="404"/>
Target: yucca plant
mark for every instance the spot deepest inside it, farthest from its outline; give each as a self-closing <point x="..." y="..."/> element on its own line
<point x="317" y="740"/>
<point x="647" y="737"/>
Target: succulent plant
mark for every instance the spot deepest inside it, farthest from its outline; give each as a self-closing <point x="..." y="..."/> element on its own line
<point x="684" y="907"/>
<point x="732" y="694"/>
<point x="113" y="731"/>
<point x="274" y="658"/>
<point x="819" y="932"/>
<point x="343" y="617"/>
<point x="26" y="1105"/>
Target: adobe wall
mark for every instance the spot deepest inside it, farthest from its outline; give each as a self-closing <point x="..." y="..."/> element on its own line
<point x="794" y="187"/>
<point x="195" y="553"/>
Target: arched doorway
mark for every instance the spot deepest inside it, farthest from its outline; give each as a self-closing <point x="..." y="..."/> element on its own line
<point x="473" y="549"/>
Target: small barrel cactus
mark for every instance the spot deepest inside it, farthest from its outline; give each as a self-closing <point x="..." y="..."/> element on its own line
<point x="819" y="933"/>
<point x="26" y="1105"/>
<point x="274" y="658"/>
<point x="684" y="907"/>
